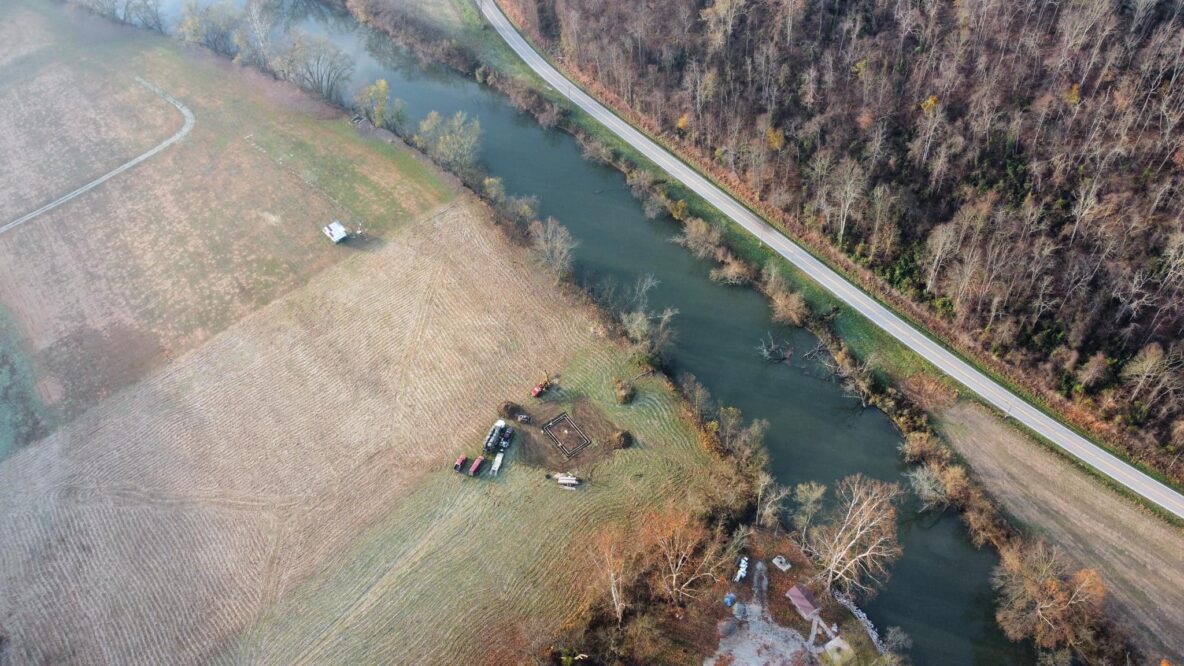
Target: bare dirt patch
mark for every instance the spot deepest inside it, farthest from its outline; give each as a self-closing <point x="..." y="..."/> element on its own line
<point x="567" y="435"/>
<point x="539" y="449"/>
<point x="1140" y="557"/>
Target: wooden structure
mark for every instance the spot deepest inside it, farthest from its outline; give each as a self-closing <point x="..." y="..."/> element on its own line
<point x="803" y="601"/>
<point x="566" y="435"/>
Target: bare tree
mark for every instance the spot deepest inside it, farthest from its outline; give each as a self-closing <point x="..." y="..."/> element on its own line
<point x="698" y="397"/>
<point x="850" y="183"/>
<point x="925" y="482"/>
<point x="146" y="14"/>
<point x="1155" y="377"/>
<point x="253" y="37"/>
<point x="554" y="245"/>
<point x="614" y="560"/>
<point x="652" y="334"/>
<point x="855" y="546"/>
<point x="317" y="65"/>
<point x="941" y="244"/>
<point x="807" y="499"/>
<point x="883" y="211"/>
<point x="688" y="555"/>
<point x="703" y="239"/>
<point x="770" y="500"/>
<point x="212" y="26"/>
<point x="720" y="18"/>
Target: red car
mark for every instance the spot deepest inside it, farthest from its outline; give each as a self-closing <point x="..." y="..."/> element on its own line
<point x="460" y="463"/>
<point x="476" y="468"/>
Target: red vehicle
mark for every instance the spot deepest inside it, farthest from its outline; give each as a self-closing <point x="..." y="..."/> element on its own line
<point x="542" y="386"/>
<point x="476" y="468"/>
<point x="460" y="463"/>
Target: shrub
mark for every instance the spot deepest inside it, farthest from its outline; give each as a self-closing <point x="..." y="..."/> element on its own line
<point x="734" y="271"/>
<point x="789" y="307"/>
<point x="921" y="447"/>
<point x="622" y="439"/>
<point x="624" y="391"/>
<point x="704" y="240"/>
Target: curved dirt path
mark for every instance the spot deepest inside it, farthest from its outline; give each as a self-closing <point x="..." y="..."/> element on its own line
<point x="988" y="389"/>
<point x="190" y="120"/>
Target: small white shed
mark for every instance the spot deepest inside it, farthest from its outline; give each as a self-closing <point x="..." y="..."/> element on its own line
<point x="336" y="231"/>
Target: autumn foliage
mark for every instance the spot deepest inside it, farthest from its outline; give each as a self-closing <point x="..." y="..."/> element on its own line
<point x="1043" y="598"/>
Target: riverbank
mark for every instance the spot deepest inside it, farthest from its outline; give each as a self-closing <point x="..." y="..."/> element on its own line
<point x="908" y="373"/>
<point x="1118" y="435"/>
<point x="939" y="592"/>
<point x="262" y="491"/>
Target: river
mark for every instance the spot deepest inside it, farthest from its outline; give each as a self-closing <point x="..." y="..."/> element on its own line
<point x="939" y="592"/>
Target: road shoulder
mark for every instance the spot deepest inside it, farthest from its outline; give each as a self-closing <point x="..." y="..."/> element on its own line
<point x="1140" y="557"/>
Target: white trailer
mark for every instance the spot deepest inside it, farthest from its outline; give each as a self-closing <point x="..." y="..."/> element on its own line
<point x="497" y="463"/>
<point x="336" y="231"/>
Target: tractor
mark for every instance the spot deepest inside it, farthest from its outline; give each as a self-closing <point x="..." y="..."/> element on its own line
<point x="542" y="386"/>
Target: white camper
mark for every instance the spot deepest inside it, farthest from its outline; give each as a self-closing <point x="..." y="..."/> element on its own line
<point x="336" y="231"/>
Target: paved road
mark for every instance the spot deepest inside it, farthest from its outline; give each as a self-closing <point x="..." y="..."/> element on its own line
<point x="1011" y="404"/>
<point x="189" y="122"/>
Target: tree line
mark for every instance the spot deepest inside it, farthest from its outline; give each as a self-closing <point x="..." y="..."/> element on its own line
<point x="1017" y="168"/>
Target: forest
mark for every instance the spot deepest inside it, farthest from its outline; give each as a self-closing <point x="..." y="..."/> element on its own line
<point x="1010" y="172"/>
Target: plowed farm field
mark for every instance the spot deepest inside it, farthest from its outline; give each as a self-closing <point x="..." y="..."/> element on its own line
<point x="114" y="283"/>
<point x="188" y="503"/>
<point x="250" y="456"/>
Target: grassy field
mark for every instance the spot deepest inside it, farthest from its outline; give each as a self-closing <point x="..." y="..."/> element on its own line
<point x="1140" y="558"/>
<point x="313" y="440"/>
<point x="111" y="285"/>
<point x="467" y="567"/>
<point x="254" y="457"/>
<point x="22" y="415"/>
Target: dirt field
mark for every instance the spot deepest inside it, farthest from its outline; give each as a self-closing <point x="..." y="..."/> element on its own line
<point x="188" y="504"/>
<point x="1140" y="557"/>
<point x="109" y="286"/>
<point x="253" y="456"/>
